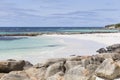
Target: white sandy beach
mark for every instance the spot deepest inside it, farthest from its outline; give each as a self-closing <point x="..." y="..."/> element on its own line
<point x="104" y="38"/>
<point x="82" y="44"/>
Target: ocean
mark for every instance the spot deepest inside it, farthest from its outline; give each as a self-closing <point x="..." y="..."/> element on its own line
<point x="42" y="47"/>
<point x="14" y="30"/>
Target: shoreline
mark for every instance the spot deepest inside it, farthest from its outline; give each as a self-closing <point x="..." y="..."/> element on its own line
<point x="50" y="33"/>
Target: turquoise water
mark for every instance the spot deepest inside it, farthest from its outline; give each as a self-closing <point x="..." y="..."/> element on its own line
<point x="92" y="30"/>
<point x="21" y="48"/>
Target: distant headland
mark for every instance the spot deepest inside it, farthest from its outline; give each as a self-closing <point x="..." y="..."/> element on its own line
<point x="113" y="26"/>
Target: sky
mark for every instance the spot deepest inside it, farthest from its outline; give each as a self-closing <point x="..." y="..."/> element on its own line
<point x="59" y="13"/>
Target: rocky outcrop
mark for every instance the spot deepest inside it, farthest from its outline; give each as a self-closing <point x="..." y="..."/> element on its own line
<point x="104" y="66"/>
<point x="77" y="73"/>
<point x="13" y="65"/>
<point x="36" y="73"/>
<point x="55" y="68"/>
<point x="57" y="76"/>
<point x="109" y="69"/>
<point x="110" y="49"/>
<point x="16" y="75"/>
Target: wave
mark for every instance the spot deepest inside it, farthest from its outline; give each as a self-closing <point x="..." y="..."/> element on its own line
<point x="7" y="38"/>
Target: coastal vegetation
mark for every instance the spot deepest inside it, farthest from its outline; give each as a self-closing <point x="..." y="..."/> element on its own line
<point x="112" y="26"/>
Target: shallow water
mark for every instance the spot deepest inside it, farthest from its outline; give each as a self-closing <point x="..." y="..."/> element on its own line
<point x="21" y="48"/>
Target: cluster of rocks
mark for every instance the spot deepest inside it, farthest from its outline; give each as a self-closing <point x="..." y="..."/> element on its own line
<point x="110" y="49"/>
<point x="105" y="66"/>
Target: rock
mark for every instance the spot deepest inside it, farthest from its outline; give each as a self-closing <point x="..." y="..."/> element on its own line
<point x="55" y="68"/>
<point x="98" y="78"/>
<point x="85" y="62"/>
<point x="78" y="73"/>
<point x="101" y="50"/>
<point x="36" y="73"/>
<point x="71" y="64"/>
<point x="52" y="61"/>
<point x="74" y="58"/>
<point x="38" y="65"/>
<point x="58" y="76"/>
<point x="11" y="60"/>
<point x="2" y="74"/>
<point x="96" y="59"/>
<point x="13" y="65"/>
<point x="113" y="48"/>
<point x="108" y="70"/>
<point x="7" y="66"/>
<point x="92" y="67"/>
<point x="27" y="65"/>
<point x="16" y="75"/>
<point x="114" y="56"/>
<point x="117" y="79"/>
<point x="110" y="49"/>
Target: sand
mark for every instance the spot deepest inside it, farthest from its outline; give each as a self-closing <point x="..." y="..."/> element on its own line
<point x="104" y="38"/>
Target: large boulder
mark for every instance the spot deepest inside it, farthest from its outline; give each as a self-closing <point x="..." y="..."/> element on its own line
<point x="95" y="59"/>
<point x="74" y="58"/>
<point x="109" y="69"/>
<point x="13" y="65"/>
<point x="36" y="73"/>
<point x="114" y="56"/>
<point x="2" y="74"/>
<point x="27" y="65"/>
<point x="78" y="73"/>
<point x="16" y="75"/>
<point x="57" y="76"/>
<point x="55" y="68"/>
<point x="102" y="50"/>
<point x="113" y="48"/>
<point x="110" y="49"/>
<point x="52" y="61"/>
<point x="71" y="64"/>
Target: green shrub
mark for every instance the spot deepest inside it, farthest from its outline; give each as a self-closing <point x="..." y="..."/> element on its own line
<point x="117" y="25"/>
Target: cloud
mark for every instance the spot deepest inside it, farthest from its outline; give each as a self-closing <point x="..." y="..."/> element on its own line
<point x="106" y="10"/>
<point x="78" y="13"/>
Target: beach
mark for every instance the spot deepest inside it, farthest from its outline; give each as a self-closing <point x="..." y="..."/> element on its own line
<point x="42" y="47"/>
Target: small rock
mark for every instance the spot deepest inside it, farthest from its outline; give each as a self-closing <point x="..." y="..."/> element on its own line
<point x="101" y="50"/>
<point x="16" y="75"/>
